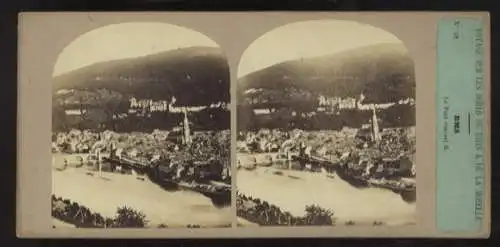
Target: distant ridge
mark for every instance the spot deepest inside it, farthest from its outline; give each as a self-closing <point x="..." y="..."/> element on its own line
<point x="383" y="72"/>
<point x="194" y="76"/>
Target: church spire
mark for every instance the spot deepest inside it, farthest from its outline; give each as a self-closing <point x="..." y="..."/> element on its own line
<point x="187" y="130"/>
<point x="375" y="128"/>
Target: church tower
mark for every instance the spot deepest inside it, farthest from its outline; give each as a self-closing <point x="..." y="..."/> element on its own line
<point x="375" y="128"/>
<point x="187" y="130"/>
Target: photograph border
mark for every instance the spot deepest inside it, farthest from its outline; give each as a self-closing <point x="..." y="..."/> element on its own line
<point x="37" y="52"/>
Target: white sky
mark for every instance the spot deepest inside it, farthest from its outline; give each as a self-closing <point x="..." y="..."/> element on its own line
<point x="309" y="39"/>
<point x="126" y="40"/>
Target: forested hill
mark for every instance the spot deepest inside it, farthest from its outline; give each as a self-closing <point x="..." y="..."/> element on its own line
<point x="194" y="76"/>
<point x="383" y="72"/>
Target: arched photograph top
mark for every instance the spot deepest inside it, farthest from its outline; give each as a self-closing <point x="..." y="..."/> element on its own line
<point x="329" y="57"/>
<point x="140" y="123"/>
<point x="153" y="60"/>
<point x="328" y="108"/>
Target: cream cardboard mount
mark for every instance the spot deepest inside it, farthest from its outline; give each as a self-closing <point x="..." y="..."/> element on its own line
<point x="324" y="124"/>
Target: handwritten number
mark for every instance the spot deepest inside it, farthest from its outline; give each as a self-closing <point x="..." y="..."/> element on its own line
<point x="456" y="33"/>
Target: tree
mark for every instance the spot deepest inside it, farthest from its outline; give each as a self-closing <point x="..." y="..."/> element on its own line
<point x="98" y="106"/>
<point x="315" y="215"/>
<point x="110" y="101"/>
<point x="59" y="122"/>
<point x="130" y="218"/>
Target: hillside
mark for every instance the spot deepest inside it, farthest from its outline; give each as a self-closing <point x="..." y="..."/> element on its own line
<point x="195" y="76"/>
<point x="383" y="72"/>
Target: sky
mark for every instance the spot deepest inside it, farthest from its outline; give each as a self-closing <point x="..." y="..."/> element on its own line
<point x="126" y="40"/>
<point x="309" y="39"/>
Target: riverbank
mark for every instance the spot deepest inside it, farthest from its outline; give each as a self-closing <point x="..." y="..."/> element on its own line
<point x="363" y="206"/>
<point x="113" y="190"/>
<point x="327" y="165"/>
<point x="248" y="160"/>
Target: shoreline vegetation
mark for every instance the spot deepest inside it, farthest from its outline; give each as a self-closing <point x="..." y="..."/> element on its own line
<point x="79" y="216"/>
<point x="261" y="212"/>
<point x="82" y="217"/>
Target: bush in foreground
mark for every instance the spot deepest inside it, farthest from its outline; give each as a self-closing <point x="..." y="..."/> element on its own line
<point x="318" y="216"/>
<point x="81" y="216"/>
<point x="263" y="213"/>
<point x="130" y="218"/>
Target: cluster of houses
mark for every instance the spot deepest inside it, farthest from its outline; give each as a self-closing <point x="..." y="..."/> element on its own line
<point x="401" y="166"/>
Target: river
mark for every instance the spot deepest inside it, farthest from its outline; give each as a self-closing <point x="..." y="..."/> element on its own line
<point x="105" y="195"/>
<point x="293" y="194"/>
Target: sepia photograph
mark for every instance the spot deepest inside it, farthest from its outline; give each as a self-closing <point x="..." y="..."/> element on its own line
<point x="326" y="127"/>
<point x="246" y="125"/>
<point x="141" y="129"/>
